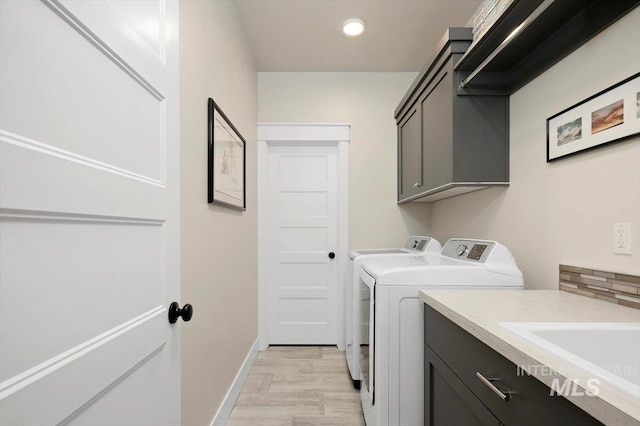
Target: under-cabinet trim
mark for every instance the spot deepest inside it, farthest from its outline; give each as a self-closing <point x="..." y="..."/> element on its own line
<point x="473" y="186"/>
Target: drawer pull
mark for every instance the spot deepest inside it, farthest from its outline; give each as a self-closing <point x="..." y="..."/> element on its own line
<point x="504" y="395"/>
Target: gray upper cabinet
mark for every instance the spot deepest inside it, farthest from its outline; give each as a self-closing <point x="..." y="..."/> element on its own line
<point x="409" y="134"/>
<point x="449" y="144"/>
<point x="453" y="120"/>
<point x="437" y="133"/>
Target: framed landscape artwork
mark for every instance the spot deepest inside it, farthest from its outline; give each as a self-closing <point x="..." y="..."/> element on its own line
<point x="226" y="161"/>
<point x="606" y="117"/>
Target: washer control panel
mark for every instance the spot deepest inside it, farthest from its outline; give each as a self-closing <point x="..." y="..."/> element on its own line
<point x="417" y="243"/>
<point x="472" y="250"/>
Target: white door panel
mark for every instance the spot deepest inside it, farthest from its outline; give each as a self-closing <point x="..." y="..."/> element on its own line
<point x="306" y="225"/>
<point x="143" y="410"/>
<point x="50" y="392"/>
<point x="50" y="74"/>
<point x="37" y="177"/>
<point x="53" y="263"/>
<point x="89" y="212"/>
<point x="297" y="237"/>
<point x="135" y="34"/>
<point x="302" y="224"/>
<point x="305" y="205"/>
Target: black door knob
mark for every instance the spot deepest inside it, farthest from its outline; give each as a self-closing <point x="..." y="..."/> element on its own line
<point x="175" y="312"/>
<point x="331" y="255"/>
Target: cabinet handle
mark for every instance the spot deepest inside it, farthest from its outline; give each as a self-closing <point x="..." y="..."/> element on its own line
<point x="417" y="185"/>
<point x="504" y="395"/>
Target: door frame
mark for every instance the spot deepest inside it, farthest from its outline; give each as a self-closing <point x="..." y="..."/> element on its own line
<point x="302" y="134"/>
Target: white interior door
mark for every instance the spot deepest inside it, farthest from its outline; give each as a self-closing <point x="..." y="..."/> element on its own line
<point x="89" y="212"/>
<point x="302" y="195"/>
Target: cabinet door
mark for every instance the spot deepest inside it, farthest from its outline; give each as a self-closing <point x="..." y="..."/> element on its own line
<point x="447" y="400"/>
<point x="437" y="132"/>
<point x="409" y="155"/>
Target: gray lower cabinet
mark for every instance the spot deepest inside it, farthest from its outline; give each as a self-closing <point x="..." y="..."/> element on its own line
<point x="447" y="400"/>
<point x="449" y="144"/>
<point x="456" y="395"/>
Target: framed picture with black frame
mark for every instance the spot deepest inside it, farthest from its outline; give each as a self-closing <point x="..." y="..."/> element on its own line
<point x="611" y="115"/>
<point x="227" y="185"/>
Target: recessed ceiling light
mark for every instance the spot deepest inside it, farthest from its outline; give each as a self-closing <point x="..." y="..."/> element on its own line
<point x="353" y="27"/>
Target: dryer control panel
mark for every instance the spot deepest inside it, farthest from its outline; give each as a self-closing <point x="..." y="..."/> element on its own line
<point x="471" y="250"/>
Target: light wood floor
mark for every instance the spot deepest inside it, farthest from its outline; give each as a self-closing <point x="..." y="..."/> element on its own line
<point x="298" y="386"/>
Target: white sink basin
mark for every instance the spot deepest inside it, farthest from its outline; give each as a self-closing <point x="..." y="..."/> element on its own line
<point x="608" y="351"/>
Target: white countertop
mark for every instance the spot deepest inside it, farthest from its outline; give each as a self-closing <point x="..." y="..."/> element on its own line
<point x="479" y="312"/>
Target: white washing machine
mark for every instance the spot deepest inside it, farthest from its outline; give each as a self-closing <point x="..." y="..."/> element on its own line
<point x="391" y="352"/>
<point x="415" y="246"/>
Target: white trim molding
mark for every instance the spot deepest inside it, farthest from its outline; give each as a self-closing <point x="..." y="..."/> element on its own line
<point x="224" y="411"/>
<point x="304" y="134"/>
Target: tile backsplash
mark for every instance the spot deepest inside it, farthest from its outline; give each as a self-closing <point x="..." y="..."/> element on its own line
<point x="617" y="288"/>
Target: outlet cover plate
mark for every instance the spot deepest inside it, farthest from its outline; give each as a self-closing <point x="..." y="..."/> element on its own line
<point x="622" y="238"/>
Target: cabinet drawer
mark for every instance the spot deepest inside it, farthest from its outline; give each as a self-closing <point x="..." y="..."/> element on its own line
<point x="530" y="402"/>
<point x="447" y="401"/>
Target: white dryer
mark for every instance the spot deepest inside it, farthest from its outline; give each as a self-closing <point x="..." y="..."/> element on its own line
<point x="415" y="246"/>
<point x="391" y="351"/>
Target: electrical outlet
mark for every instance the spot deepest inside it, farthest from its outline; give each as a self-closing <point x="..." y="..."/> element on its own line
<point x="622" y="238"/>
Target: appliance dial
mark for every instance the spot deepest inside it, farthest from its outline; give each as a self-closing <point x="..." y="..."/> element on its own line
<point x="461" y="249"/>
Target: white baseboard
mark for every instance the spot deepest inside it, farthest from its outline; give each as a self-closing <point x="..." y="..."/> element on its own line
<point x="224" y="411"/>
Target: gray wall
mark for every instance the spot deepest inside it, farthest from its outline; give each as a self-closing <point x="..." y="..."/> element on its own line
<point x="219" y="254"/>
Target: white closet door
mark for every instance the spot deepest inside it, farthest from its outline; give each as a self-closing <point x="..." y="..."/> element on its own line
<point x="302" y="222"/>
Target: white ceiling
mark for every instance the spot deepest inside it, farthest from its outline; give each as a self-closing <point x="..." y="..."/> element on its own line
<point x="306" y="35"/>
